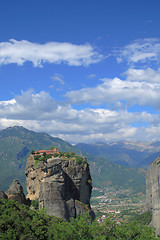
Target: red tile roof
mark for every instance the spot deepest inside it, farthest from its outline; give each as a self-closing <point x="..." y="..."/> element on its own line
<point x="55" y="150"/>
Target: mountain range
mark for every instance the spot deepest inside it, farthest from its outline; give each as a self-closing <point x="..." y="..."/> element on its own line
<point x="16" y="143"/>
<point x="129" y="154"/>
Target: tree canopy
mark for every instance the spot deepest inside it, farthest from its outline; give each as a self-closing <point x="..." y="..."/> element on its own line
<point x="19" y="222"/>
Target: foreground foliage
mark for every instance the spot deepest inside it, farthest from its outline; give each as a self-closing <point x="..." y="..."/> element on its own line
<point x="144" y="218"/>
<point x="18" y="222"/>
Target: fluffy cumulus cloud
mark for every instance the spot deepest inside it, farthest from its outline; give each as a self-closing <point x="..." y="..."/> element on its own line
<point x="35" y="106"/>
<point x="19" y="52"/>
<point x="121" y="93"/>
<point x="40" y="112"/>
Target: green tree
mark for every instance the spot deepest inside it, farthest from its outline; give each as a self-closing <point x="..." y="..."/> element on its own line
<point x="37" y="157"/>
<point x="35" y="204"/>
<point x="55" y="155"/>
<point x="67" y="154"/>
<point x="79" y="159"/>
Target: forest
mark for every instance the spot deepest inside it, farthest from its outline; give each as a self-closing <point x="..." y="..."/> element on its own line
<point x="20" y="222"/>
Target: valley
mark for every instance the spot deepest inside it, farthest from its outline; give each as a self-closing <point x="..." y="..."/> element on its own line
<point x="118" y="204"/>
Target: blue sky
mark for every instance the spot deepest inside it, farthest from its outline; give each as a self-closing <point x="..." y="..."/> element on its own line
<point x="84" y="71"/>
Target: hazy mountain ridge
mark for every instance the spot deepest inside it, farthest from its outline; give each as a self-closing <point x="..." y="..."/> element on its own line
<point x="130" y="154"/>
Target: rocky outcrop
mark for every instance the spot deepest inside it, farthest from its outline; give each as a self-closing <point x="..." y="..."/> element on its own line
<point x="57" y="183"/>
<point x="3" y="195"/>
<point x="153" y="193"/>
<point x="15" y="192"/>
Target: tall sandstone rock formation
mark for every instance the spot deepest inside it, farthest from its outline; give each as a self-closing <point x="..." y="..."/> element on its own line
<point x="15" y="192"/>
<point x="153" y="193"/>
<point x="61" y="186"/>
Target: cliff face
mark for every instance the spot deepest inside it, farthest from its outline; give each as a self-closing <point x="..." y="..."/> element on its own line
<point x="153" y="193"/>
<point x="59" y="185"/>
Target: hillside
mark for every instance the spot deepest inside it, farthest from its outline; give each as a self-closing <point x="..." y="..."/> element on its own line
<point x="105" y="173"/>
<point x="16" y="143"/>
<point x="129" y="154"/>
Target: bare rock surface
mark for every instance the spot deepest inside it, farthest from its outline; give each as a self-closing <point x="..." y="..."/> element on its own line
<point x="57" y="183"/>
<point x="15" y="192"/>
<point x="153" y="193"/>
<point x="3" y="195"/>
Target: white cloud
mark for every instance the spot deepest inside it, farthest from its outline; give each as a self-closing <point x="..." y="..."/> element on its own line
<point x="147" y="75"/>
<point x="140" y="51"/>
<point x="40" y="112"/>
<point x="35" y="106"/>
<point x="19" y="52"/>
<point x="115" y="92"/>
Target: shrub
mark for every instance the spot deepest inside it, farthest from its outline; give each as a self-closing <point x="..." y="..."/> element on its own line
<point x="37" y="157"/>
<point x="61" y="154"/>
<point x="79" y="159"/>
<point x="41" y="158"/>
<point x="72" y="154"/>
<point x="48" y="156"/>
<point x="55" y="155"/>
<point x="67" y="154"/>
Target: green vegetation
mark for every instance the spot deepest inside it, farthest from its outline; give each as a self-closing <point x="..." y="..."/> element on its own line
<point x="44" y="157"/>
<point x="36" y="157"/>
<point x="36" y="163"/>
<point x="79" y="159"/>
<point x="18" y="222"/>
<point x="73" y="154"/>
<point x="65" y="155"/>
<point x="55" y="155"/>
<point x="105" y="174"/>
<point x="35" y="204"/>
<point x="74" y="157"/>
<point x="39" y="159"/>
<point x="144" y="218"/>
